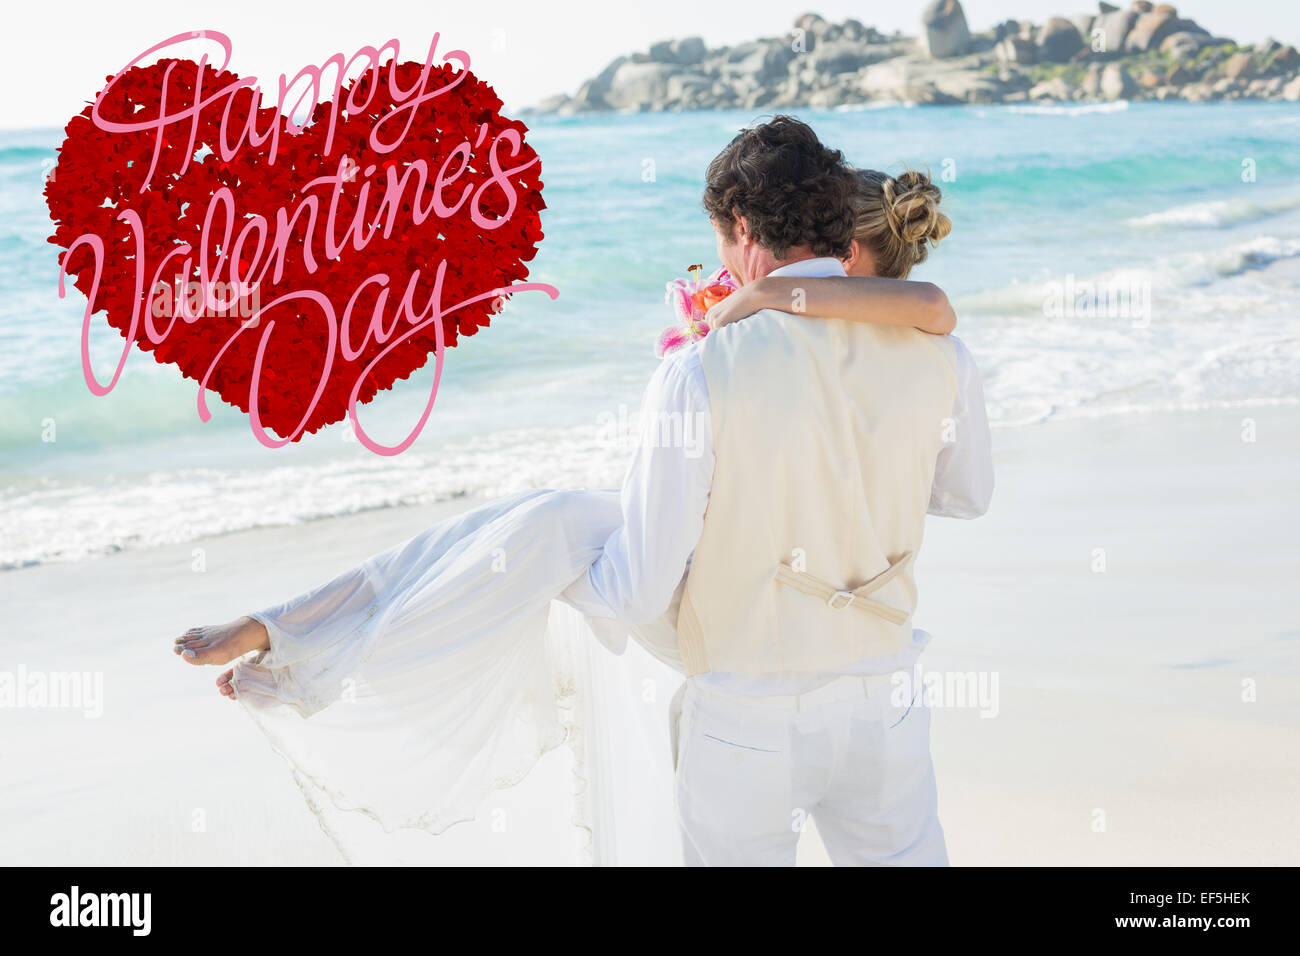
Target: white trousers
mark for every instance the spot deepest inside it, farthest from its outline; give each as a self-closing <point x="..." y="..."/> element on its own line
<point x="752" y="770"/>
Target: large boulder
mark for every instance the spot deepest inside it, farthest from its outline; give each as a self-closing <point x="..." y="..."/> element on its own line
<point x="689" y="51"/>
<point x="1114" y="28"/>
<point x="854" y="30"/>
<point x="1292" y="90"/>
<point x="591" y="95"/>
<point x="588" y="99"/>
<point x="765" y="63"/>
<point x="1148" y="30"/>
<point x="1083" y="23"/>
<point x="1183" y="45"/>
<point x="811" y="23"/>
<point x="1016" y="50"/>
<point x="944" y="32"/>
<point x="1239" y="66"/>
<point x="601" y="81"/>
<point x="639" y="85"/>
<point x="662" y="52"/>
<point x="841" y="56"/>
<point x="806" y="33"/>
<point x="1058" y="41"/>
<point x="1116" y="83"/>
<point x="1092" y="81"/>
<point x="1287" y="58"/>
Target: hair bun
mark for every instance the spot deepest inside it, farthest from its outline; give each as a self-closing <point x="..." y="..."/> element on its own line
<point x="912" y="209"/>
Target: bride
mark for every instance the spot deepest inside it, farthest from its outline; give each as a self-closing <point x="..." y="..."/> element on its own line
<point x="412" y="686"/>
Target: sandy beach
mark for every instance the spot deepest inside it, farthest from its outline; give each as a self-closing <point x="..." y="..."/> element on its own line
<point x="1144" y="713"/>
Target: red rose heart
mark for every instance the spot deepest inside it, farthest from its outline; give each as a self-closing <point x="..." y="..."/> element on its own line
<point x="100" y="174"/>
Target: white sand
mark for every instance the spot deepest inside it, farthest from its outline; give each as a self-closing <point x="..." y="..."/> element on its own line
<point x="1120" y="693"/>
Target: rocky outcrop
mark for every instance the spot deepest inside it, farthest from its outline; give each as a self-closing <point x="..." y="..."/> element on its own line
<point x="1058" y="41"/>
<point x="1017" y="49"/>
<point x="1238" y="66"/>
<point x="943" y="30"/>
<point x="1117" y="83"/>
<point x="1140" y="51"/>
<point x="638" y="86"/>
<point x="1115" y="27"/>
<point x="686" y="52"/>
<point x="1148" y="30"/>
<point x="1183" y="45"/>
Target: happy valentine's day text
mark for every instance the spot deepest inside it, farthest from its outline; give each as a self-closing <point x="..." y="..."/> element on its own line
<point x="234" y="251"/>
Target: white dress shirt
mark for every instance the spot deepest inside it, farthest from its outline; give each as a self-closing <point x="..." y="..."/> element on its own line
<point x="666" y="492"/>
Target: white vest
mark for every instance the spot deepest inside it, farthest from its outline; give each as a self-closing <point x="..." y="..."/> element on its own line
<point x="826" y="433"/>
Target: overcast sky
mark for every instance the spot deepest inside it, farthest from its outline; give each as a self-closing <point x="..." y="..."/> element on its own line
<point x="59" y="52"/>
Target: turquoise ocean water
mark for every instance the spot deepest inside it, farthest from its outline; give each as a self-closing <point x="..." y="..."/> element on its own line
<point x="1148" y="204"/>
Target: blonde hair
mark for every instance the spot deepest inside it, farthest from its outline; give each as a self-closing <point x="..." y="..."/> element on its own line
<point x="897" y="220"/>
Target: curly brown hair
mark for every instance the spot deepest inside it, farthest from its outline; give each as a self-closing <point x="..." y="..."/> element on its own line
<point x="791" y="190"/>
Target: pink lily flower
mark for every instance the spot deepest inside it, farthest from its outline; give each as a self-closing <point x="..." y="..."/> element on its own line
<point x="690" y="300"/>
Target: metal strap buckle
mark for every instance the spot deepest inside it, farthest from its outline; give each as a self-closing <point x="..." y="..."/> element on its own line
<point x="848" y="595"/>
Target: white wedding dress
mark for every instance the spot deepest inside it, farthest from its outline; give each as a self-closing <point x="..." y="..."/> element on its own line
<point x="408" y="689"/>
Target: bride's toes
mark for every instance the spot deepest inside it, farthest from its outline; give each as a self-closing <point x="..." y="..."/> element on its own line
<point x="196" y="646"/>
<point x="193" y="650"/>
<point x="226" y="684"/>
<point x="222" y="643"/>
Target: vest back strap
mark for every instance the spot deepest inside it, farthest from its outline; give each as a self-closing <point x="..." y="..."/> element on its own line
<point x="839" y="599"/>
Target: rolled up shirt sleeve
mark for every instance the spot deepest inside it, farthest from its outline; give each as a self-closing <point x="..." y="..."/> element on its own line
<point x="963" y="475"/>
<point x="664" y="498"/>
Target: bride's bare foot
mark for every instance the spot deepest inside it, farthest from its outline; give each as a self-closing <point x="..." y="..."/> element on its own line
<point x="222" y="643"/>
<point x="225" y="687"/>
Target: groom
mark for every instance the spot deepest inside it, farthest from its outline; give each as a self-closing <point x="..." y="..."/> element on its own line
<point x="824" y="444"/>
